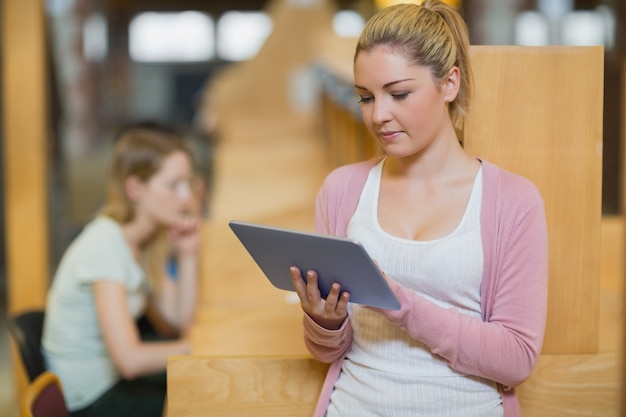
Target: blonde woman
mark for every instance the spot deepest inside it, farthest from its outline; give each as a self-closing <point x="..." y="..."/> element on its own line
<point x="91" y="339"/>
<point x="462" y="243"/>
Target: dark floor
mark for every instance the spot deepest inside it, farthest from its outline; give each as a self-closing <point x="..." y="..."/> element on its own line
<point x="8" y="401"/>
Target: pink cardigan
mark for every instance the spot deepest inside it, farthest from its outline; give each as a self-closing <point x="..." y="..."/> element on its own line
<point x="504" y="345"/>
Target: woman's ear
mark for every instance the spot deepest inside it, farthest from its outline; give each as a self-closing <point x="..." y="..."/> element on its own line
<point x="451" y="84"/>
<point x="134" y="188"/>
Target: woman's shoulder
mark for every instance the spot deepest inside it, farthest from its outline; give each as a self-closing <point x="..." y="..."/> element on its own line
<point x="102" y="232"/>
<point x="346" y="174"/>
<point x="103" y="225"/>
<point x="508" y="182"/>
<point x="100" y="250"/>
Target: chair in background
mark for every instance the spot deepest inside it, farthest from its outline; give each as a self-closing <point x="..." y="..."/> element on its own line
<point x="26" y="328"/>
<point x="44" y="398"/>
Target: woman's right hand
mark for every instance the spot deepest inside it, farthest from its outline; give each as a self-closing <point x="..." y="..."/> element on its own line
<point x="329" y="313"/>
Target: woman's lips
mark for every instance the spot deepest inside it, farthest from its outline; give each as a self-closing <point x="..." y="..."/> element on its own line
<point x="388" y="135"/>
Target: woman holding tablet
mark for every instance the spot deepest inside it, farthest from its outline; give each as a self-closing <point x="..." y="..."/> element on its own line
<point x="462" y="243"/>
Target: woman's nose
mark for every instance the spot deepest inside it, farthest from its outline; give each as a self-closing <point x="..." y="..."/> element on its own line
<point x="184" y="191"/>
<point x="380" y="112"/>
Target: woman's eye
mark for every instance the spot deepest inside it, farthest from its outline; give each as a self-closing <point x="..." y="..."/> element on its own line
<point x="366" y="99"/>
<point x="400" y="96"/>
<point x="174" y="185"/>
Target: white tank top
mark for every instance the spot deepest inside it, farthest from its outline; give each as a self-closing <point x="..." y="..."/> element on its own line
<point x="387" y="373"/>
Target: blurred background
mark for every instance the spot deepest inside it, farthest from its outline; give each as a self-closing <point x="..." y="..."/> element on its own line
<point x="112" y="62"/>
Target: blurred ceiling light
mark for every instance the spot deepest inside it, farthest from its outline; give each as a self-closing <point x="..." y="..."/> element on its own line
<point x="95" y="38"/>
<point x="381" y="4"/>
<point x="532" y="29"/>
<point x="583" y="27"/>
<point x="348" y="23"/>
<point x="59" y="7"/>
<point x="610" y="23"/>
<point x="240" y="35"/>
<point x="305" y="4"/>
<point x="555" y="9"/>
<point x="171" y="37"/>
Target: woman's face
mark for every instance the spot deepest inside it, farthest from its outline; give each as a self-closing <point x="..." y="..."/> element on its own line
<point x="401" y="105"/>
<point x="166" y="196"/>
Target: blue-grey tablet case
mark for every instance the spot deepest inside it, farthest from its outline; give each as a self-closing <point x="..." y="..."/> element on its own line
<point x="334" y="259"/>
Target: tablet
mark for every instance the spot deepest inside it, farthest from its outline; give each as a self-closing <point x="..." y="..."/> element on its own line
<point x="334" y="259"/>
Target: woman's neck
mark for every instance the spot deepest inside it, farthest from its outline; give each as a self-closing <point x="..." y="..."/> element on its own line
<point x="137" y="233"/>
<point x="443" y="159"/>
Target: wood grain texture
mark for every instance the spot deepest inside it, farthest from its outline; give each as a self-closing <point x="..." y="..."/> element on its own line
<point x="562" y="385"/>
<point x="243" y="386"/>
<point x="25" y="161"/>
<point x="573" y="386"/>
<point x="537" y="112"/>
<point x="25" y="153"/>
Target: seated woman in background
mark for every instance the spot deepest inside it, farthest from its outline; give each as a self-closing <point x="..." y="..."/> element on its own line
<point x="91" y="339"/>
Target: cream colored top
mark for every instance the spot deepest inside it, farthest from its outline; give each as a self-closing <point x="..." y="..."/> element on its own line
<point x="387" y="372"/>
<point x="72" y="343"/>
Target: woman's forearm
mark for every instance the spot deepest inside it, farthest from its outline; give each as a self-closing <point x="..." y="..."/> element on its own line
<point x="146" y="358"/>
<point x="187" y="290"/>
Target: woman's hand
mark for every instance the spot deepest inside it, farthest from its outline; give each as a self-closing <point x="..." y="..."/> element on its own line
<point x="329" y="313"/>
<point x="393" y="285"/>
<point x="185" y="235"/>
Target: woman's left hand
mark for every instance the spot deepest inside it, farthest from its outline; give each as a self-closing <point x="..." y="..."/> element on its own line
<point x="185" y="235"/>
<point x="393" y="285"/>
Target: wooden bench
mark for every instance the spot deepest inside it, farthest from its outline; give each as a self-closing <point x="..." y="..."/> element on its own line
<point x="260" y="386"/>
<point x="276" y="386"/>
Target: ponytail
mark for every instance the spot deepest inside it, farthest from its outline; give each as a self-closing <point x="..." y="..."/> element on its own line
<point x="433" y="35"/>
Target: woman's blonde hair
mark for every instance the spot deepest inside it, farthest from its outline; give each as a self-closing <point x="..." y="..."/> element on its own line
<point x="432" y="35"/>
<point x="138" y="151"/>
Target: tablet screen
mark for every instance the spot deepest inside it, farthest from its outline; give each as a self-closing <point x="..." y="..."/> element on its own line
<point x="335" y="259"/>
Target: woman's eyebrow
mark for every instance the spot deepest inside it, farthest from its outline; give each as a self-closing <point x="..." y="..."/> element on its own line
<point x="387" y="85"/>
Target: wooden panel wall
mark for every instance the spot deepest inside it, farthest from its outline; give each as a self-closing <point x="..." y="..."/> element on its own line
<point x="538" y="112"/>
<point x="25" y="153"/>
<point x="25" y="160"/>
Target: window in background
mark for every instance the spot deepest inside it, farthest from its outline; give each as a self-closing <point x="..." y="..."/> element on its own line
<point x="381" y="4"/>
<point x="348" y="23"/>
<point x="532" y="29"/>
<point x="95" y="37"/>
<point x="588" y="27"/>
<point x="240" y="35"/>
<point x="171" y="37"/>
<point x="582" y="27"/>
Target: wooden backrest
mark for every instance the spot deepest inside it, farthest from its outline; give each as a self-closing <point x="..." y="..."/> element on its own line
<point x="537" y="111"/>
<point x="260" y="386"/>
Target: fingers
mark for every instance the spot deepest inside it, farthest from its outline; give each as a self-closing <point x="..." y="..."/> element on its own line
<point x="312" y="287"/>
<point x="331" y="311"/>
<point x="299" y="284"/>
<point x="308" y="290"/>
<point x="342" y="306"/>
<point x="186" y="224"/>
<point x="332" y="299"/>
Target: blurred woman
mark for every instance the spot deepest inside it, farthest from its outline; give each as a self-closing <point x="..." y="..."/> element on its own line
<point x="91" y="339"/>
